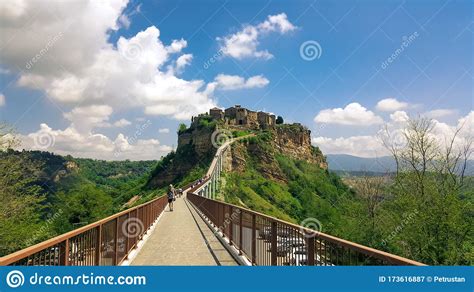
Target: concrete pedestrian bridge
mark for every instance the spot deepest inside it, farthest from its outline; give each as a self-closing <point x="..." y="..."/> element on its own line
<point x="200" y="231"/>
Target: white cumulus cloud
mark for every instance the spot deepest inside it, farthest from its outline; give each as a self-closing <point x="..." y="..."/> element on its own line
<point x="440" y="113"/>
<point x="362" y="146"/>
<point x="399" y="117"/>
<point x="391" y="105"/>
<point x="372" y="146"/>
<point x="353" y="114"/>
<point x="122" y="123"/>
<point x="233" y="82"/>
<point x="81" y="66"/>
<point x="90" y="145"/>
<point x="244" y="43"/>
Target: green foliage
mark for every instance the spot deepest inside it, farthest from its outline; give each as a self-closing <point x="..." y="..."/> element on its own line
<point x="240" y="133"/>
<point x="322" y="194"/>
<point x="21" y="204"/>
<point x="182" y="128"/>
<point x="43" y="195"/>
<point x="113" y="174"/>
<point x="309" y="192"/>
<point x="435" y="227"/>
<point x="80" y="205"/>
<point x="206" y="121"/>
<point x="279" y="120"/>
<point x="426" y="216"/>
<point x="251" y="190"/>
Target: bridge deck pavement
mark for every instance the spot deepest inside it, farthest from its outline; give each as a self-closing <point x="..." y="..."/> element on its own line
<point x="183" y="238"/>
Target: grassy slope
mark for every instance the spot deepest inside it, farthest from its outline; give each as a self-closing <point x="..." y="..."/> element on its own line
<point x="309" y="191"/>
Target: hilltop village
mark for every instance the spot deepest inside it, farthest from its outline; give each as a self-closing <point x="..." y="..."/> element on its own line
<point x="239" y="116"/>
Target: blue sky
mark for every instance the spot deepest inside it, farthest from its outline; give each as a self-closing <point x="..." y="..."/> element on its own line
<point x="74" y="90"/>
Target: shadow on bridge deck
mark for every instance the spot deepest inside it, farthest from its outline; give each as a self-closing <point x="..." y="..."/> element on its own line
<point x="181" y="237"/>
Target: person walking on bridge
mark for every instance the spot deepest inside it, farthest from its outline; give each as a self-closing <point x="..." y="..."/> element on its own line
<point x="171" y="196"/>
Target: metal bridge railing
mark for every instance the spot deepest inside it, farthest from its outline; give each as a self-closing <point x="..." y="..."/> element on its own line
<point x="265" y="240"/>
<point x="105" y="242"/>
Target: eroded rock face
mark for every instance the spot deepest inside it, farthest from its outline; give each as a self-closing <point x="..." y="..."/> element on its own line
<point x="295" y="141"/>
<point x="289" y="140"/>
<point x="195" y="146"/>
<point x="200" y="139"/>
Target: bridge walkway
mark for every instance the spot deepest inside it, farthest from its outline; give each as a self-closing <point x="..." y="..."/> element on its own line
<point x="181" y="237"/>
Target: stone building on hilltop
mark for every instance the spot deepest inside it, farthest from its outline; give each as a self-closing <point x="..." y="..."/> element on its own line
<point x="239" y="116"/>
<point x="216" y="113"/>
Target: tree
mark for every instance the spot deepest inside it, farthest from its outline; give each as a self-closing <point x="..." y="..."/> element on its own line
<point x="279" y="120"/>
<point x="430" y="191"/>
<point x="8" y="138"/>
<point x="371" y="189"/>
<point x="21" y="201"/>
<point x="182" y="128"/>
<point x="81" y="204"/>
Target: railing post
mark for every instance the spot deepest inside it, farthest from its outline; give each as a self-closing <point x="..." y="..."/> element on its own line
<point x="98" y="244"/>
<point x="310" y="250"/>
<point x="127" y="249"/>
<point x="64" y="250"/>
<point x="209" y="185"/>
<point x="212" y="185"/>
<point x="240" y="232"/>
<point x="223" y="220"/>
<point x="254" y="239"/>
<point x="115" y="260"/>
<point x="274" y="243"/>
<point x="231" y="226"/>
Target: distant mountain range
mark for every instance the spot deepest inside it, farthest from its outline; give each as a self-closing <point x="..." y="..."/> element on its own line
<point x="384" y="164"/>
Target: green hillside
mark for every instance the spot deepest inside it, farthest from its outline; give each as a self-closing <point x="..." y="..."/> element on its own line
<point x="43" y="194"/>
<point x="432" y="225"/>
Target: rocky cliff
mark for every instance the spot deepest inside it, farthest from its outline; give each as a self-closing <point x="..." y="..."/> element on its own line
<point x="293" y="141"/>
<point x="196" y="148"/>
<point x="194" y="152"/>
